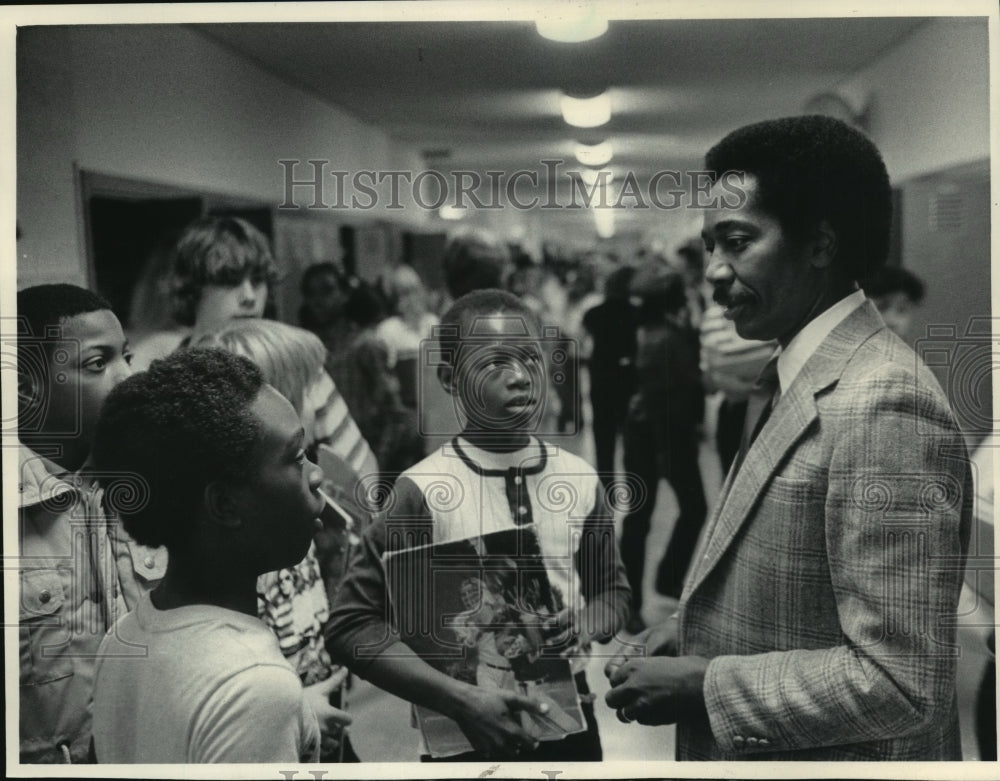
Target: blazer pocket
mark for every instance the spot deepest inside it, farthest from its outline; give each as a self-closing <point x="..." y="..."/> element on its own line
<point x="796" y="488"/>
<point x="43" y="632"/>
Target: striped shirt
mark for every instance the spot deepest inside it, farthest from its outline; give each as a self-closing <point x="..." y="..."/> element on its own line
<point x="336" y="429"/>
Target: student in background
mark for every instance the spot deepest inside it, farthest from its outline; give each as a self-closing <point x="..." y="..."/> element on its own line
<point x="474" y="260"/>
<point x="897" y="292"/>
<point x="404" y="331"/>
<point x="222" y="270"/>
<point x="499" y="386"/>
<point x="325" y="291"/>
<point x="78" y="571"/>
<point x="661" y="434"/>
<point x="612" y="326"/>
<point x="730" y="365"/>
<point x="231" y="495"/>
<point x="370" y="388"/>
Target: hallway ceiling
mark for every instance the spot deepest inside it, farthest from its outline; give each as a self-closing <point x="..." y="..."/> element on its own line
<point x="484" y="95"/>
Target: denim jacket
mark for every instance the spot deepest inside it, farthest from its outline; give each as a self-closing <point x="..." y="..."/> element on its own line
<point x="73" y="587"/>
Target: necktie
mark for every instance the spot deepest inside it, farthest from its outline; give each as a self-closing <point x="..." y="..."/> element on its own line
<point x="763" y="398"/>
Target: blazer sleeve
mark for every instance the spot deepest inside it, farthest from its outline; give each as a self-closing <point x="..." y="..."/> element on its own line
<point x="897" y="512"/>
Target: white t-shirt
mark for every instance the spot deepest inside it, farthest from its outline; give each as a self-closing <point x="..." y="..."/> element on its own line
<point x="212" y="687"/>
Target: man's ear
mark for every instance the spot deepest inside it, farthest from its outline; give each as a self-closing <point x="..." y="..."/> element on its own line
<point x="222" y="504"/>
<point x="824" y="246"/>
<point x="446" y="375"/>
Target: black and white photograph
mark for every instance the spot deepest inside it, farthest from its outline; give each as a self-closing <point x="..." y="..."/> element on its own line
<point x="547" y="389"/>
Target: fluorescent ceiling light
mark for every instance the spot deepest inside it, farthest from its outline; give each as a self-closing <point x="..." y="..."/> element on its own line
<point x="570" y="23"/>
<point x="586" y="112"/>
<point x="449" y="212"/>
<point x="596" y="155"/>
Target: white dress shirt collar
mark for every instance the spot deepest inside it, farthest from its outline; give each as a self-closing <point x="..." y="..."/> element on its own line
<point x="804" y="343"/>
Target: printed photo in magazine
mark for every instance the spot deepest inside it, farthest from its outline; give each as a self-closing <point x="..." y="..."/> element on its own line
<point x="477" y="609"/>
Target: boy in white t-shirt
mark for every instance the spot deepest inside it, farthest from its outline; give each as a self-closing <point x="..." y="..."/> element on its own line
<point x="191" y="675"/>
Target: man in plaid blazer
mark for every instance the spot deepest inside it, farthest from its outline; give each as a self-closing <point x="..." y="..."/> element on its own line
<point x="818" y="617"/>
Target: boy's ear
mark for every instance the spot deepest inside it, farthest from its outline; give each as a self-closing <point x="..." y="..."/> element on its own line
<point x="222" y="505"/>
<point x="446" y="375"/>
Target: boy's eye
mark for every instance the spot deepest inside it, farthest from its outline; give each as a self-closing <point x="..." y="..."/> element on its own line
<point x="96" y="364"/>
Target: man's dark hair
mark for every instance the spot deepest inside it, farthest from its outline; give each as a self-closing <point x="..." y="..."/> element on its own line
<point x="458" y="321"/>
<point x="814" y="168"/>
<point x="895" y="279"/>
<point x="218" y="251"/>
<point x="180" y="425"/>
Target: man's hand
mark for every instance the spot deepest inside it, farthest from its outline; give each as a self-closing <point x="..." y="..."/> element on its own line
<point x="659" y="640"/>
<point x="331" y="720"/>
<point x="490" y="719"/>
<point x="659" y="690"/>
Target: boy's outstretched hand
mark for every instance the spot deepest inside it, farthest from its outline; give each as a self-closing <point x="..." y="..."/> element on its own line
<point x="490" y="719"/>
<point x="579" y="628"/>
<point x="659" y="640"/>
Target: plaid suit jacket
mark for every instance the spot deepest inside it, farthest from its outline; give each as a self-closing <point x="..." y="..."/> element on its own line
<point x="826" y="584"/>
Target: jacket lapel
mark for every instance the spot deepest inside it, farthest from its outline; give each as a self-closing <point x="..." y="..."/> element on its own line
<point x="795" y="412"/>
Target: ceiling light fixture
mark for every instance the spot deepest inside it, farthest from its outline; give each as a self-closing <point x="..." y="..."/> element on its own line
<point x="594" y="155"/>
<point x="586" y="112"/>
<point x="571" y="23"/>
<point x="449" y="212"/>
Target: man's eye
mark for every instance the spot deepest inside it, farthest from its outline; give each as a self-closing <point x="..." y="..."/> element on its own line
<point x="736" y="243"/>
<point x="95" y="365"/>
<point x="128" y="358"/>
<point x="300" y="456"/>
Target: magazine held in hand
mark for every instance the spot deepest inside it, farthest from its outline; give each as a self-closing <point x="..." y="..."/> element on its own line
<point x="480" y="610"/>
